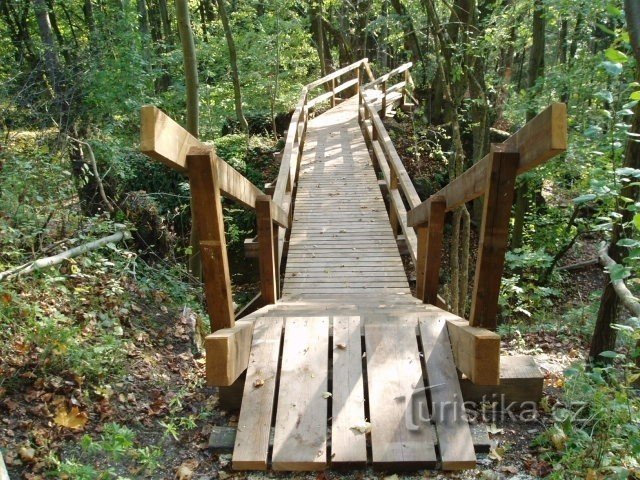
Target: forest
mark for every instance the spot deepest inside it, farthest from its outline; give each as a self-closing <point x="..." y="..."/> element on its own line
<point x="102" y="311"/>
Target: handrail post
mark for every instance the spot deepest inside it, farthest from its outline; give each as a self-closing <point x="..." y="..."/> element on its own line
<point x="403" y="100"/>
<point x="393" y="215"/>
<point x="383" y="112"/>
<point x="359" y="77"/>
<point x="494" y="234"/>
<point x="430" y="252"/>
<point x="268" y="250"/>
<point x="207" y="208"/>
<point x="333" y="92"/>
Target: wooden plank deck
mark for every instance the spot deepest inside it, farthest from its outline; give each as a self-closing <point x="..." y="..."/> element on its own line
<point x="341" y="350"/>
<point x="340" y="219"/>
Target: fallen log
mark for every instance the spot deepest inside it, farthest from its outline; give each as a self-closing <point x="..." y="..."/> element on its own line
<point x="624" y="294"/>
<point x="59" y="258"/>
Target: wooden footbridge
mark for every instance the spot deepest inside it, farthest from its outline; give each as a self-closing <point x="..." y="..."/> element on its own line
<point x="342" y="365"/>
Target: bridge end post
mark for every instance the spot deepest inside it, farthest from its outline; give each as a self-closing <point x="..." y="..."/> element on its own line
<point x="207" y="208"/>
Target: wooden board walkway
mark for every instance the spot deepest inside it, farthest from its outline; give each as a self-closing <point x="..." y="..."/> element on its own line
<point x="341" y="239"/>
<point x="348" y="369"/>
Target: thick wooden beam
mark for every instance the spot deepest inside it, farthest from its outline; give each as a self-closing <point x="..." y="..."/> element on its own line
<point x="163" y="139"/>
<point x="268" y="243"/>
<point x="476" y="351"/>
<point x="432" y="253"/>
<point x="539" y="140"/>
<point x="494" y="236"/>
<point x="207" y="207"/>
<point x="228" y="353"/>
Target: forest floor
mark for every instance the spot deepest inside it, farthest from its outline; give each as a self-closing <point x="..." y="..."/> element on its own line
<point x="152" y="415"/>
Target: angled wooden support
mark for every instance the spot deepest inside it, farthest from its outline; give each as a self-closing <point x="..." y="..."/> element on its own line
<point x="494" y="235"/>
<point x="268" y="253"/>
<point x="431" y="250"/>
<point x="205" y="193"/>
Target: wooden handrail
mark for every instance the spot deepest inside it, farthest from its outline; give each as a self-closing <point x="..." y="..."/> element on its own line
<point x="387" y="76"/>
<point x="539" y="140"/>
<point x="165" y="140"/>
<point x="337" y="73"/>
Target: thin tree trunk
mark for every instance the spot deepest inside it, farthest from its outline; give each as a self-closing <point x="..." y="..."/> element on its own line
<point x="410" y="38"/>
<point x="166" y="22"/>
<point x="524" y="192"/>
<point x="143" y="17"/>
<point x="233" y="60"/>
<point x="193" y="113"/>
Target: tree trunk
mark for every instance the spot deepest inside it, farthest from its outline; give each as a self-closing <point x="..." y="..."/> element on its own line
<point x="604" y="336"/>
<point x="193" y="114"/>
<point x="143" y="17"/>
<point x="524" y="192"/>
<point x="411" y="41"/>
<point x="51" y="60"/>
<point x="233" y="60"/>
<point x="166" y="22"/>
<point x="318" y="35"/>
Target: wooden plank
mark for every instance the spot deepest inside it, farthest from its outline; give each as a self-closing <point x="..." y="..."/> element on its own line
<point x="228" y="353"/>
<point x="254" y="424"/>
<point x="539" y="140"/>
<point x="300" y="441"/>
<point x="348" y="446"/>
<point x="433" y="253"/>
<point x="394" y="383"/>
<point x="494" y="236"/>
<point x="207" y="207"/>
<point x="267" y="258"/>
<point x="454" y="436"/>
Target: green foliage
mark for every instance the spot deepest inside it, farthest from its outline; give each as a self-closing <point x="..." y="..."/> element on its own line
<point x="597" y="426"/>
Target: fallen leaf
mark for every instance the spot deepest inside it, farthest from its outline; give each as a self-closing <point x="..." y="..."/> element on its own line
<point x="493" y="430"/>
<point x="186" y="470"/>
<point x="364" y="427"/>
<point x="496" y="454"/>
<point x="73" y="419"/>
<point x="326" y="395"/>
<point x="342" y="346"/>
<point x="27" y="454"/>
<point x="258" y="383"/>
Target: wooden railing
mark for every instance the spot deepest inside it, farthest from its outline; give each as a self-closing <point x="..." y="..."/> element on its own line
<point x="404" y="86"/>
<point x="494" y="177"/>
<point x="209" y="178"/>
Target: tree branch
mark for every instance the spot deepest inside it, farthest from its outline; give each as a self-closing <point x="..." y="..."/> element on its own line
<point x="624" y="294"/>
<point x="56" y="259"/>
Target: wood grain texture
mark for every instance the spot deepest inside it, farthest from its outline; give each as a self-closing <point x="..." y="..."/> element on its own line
<point x="494" y="236"/>
<point x="395" y="386"/>
<point x="254" y="424"/>
<point x="447" y="405"/>
<point x="348" y="446"/>
<point x="432" y="253"/>
<point x="300" y="441"/>
<point x="228" y="353"/>
<point x="267" y="258"/>
<point x="207" y="208"/>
